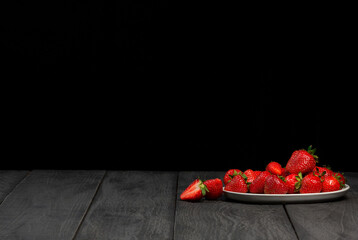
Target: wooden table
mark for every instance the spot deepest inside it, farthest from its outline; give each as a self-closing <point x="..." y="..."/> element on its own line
<point x="91" y="205"/>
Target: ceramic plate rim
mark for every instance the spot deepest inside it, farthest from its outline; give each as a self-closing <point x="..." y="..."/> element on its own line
<point x="303" y="195"/>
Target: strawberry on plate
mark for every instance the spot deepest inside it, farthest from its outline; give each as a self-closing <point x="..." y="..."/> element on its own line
<point x="285" y="173"/>
<point x="328" y="170"/>
<point x="322" y="172"/>
<point x="293" y="182"/>
<point x="302" y="161"/>
<point x="274" y="168"/>
<point x="237" y="184"/>
<point x="331" y="184"/>
<point x="257" y="173"/>
<point x="257" y="186"/>
<point x="311" y="184"/>
<point x="230" y="175"/>
<point x="251" y="175"/>
<point x="195" y="191"/>
<point x="215" y="188"/>
<point x="340" y="177"/>
<point x="275" y="185"/>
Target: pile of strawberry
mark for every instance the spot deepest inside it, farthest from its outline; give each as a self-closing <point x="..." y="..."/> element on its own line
<point x="301" y="175"/>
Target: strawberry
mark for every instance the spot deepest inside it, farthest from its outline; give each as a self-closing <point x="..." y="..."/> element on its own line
<point x="250" y="174"/>
<point x="274" y="168"/>
<point x="331" y="184"/>
<point x="257" y="173"/>
<point x="195" y="191"/>
<point x="293" y="182"/>
<point x="322" y="172"/>
<point x="215" y="188"/>
<point x="237" y="184"/>
<point x="311" y="184"/>
<point x="285" y="173"/>
<point x="302" y="161"/>
<point x="340" y="177"/>
<point x="275" y="185"/>
<point x="230" y="174"/>
<point x="257" y="186"/>
<point x="328" y="170"/>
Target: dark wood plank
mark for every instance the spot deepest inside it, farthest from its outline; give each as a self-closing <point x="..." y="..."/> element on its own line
<point x="9" y="180"/>
<point x="48" y="205"/>
<point x="331" y="220"/>
<point x="352" y="180"/>
<point x="132" y="205"/>
<point x="224" y="219"/>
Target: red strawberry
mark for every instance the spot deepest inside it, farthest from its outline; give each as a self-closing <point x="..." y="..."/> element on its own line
<point x="237" y="184"/>
<point x="274" y="168"/>
<point x="331" y="184"/>
<point x="275" y="185"/>
<point x="285" y="173"/>
<point x="328" y="171"/>
<point x="257" y="186"/>
<point x="322" y="172"/>
<point x="230" y="174"/>
<point x="340" y="177"/>
<point x="293" y="182"/>
<point x="250" y="174"/>
<point x="302" y="161"/>
<point x="311" y="184"/>
<point x="195" y="191"/>
<point x="215" y="188"/>
<point x="257" y="173"/>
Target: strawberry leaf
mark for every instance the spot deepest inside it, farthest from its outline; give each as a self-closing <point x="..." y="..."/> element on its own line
<point x="203" y="192"/>
<point x="235" y="174"/>
<point x="299" y="182"/>
<point x="297" y="186"/>
<point x="282" y="178"/>
<point x="243" y="175"/>
<point x="312" y="152"/>
<point x="203" y="188"/>
<point x="328" y="167"/>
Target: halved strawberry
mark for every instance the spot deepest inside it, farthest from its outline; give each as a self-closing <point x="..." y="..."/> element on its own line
<point x="215" y="188"/>
<point x="195" y="191"/>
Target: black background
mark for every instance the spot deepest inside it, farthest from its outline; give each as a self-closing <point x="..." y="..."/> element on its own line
<point x="162" y="86"/>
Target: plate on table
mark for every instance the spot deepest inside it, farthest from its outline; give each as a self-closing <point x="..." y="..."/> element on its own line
<point x="286" y="198"/>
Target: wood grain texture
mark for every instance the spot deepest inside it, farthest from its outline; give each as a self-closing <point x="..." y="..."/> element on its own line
<point x="132" y="205"/>
<point x="224" y="219"/>
<point x="48" y="205"/>
<point x="8" y="181"/>
<point x="330" y="220"/>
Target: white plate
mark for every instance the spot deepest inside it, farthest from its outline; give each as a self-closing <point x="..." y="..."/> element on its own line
<point x="286" y="198"/>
